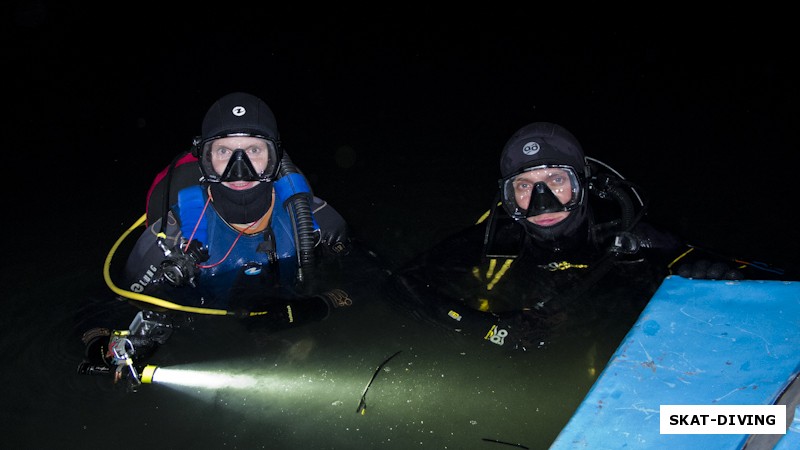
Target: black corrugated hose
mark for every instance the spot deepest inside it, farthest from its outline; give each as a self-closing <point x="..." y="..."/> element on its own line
<point x="302" y="219"/>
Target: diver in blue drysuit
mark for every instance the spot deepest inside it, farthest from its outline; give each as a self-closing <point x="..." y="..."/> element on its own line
<point x="233" y="236"/>
<point x="232" y="228"/>
<point x="562" y="245"/>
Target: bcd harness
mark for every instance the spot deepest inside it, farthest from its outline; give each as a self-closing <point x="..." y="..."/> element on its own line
<point x="277" y="241"/>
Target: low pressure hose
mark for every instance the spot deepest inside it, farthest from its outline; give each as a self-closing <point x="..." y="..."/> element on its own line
<point x="625" y="204"/>
<point x="303" y="220"/>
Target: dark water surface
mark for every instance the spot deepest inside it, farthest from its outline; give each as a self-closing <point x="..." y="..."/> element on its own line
<point x="401" y="131"/>
<point x="301" y="388"/>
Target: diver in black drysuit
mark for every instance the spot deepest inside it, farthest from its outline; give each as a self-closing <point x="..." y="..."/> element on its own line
<point x="516" y="284"/>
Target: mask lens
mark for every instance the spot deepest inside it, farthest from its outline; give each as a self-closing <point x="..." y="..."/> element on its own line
<point x="235" y="158"/>
<point x="541" y="189"/>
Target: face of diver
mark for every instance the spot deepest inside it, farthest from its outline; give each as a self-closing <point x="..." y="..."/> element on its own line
<point x="557" y="180"/>
<point x="255" y="149"/>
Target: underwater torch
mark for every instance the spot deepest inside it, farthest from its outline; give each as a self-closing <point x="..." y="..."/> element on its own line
<point x="148" y="373"/>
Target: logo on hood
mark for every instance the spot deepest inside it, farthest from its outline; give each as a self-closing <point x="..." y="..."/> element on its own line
<point x="531" y="148"/>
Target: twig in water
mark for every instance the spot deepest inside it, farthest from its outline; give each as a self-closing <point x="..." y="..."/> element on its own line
<point x="362" y="404"/>
<point x="506" y="443"/>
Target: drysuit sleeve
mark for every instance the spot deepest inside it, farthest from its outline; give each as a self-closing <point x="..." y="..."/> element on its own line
<point x="334" y="235"/>
<point x="273" y="313"/>
<point x="423" y="299"/>
<point x="704" y="264"/>
<point x="433" y="287"/>
<point x="697" y="262"/>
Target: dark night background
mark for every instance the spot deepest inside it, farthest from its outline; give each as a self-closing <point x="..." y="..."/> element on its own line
<point x="401" y="126"/>
<point x="398" y="119"/>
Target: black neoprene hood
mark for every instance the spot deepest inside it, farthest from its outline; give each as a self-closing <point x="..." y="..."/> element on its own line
<point x="239" y="112"/>
<point x="541" y="143"/>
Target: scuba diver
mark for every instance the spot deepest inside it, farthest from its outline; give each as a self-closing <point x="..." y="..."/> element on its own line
<point x="232" y="228"/>
<point x="563" y="245"/>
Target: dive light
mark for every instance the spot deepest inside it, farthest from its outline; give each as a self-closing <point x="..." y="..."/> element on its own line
<point x="148" y="373"/>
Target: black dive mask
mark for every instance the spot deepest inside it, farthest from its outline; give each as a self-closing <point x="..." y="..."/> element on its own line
<point x="240" y="158"/>
<point x="542" y="189"/>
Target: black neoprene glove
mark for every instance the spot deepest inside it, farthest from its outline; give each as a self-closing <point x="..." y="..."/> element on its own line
<point x="300" y="311"/>
<point x="704" y="269"/>
<point x="333" y="232"/>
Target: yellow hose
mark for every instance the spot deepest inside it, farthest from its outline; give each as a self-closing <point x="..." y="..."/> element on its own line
<point x="148" y="298"/>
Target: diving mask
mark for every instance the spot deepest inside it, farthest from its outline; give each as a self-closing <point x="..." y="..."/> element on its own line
<point x="238" y="157"/>
<point x="541" y="189"/>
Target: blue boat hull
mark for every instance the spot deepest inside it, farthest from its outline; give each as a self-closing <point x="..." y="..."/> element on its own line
<point x="698" y="342"/>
